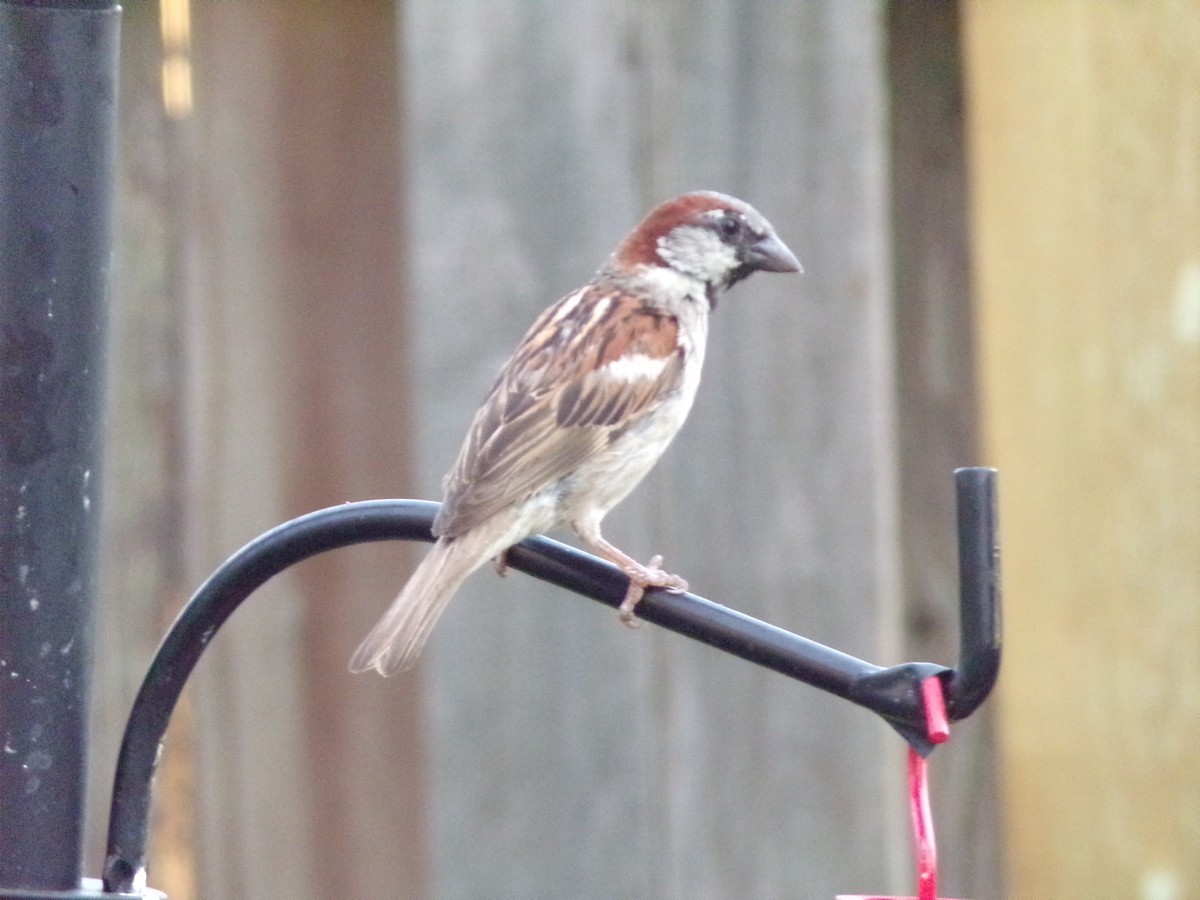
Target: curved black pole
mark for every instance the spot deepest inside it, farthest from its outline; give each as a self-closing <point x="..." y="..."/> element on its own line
<point x="893" y="693"/>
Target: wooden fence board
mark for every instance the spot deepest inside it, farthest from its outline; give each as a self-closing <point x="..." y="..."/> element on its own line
<point x="937" y="409"/>
<point x="257" y="375"/>
<point x="542" y="750"/>
<point x="567" y="756"/>
<point x="1085" y="160"/>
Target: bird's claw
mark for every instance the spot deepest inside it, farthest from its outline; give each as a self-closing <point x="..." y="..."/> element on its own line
<point x="641" y="578"/>
<point x="501" y="563"/>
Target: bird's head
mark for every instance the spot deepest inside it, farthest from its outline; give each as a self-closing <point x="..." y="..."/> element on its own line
<point x="714" y="238"/>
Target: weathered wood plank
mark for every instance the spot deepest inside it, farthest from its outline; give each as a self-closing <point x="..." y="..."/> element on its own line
<point x="1085" y="161"/>
<point x="520" y="171"/>
<point x="306" y="779"/>
<point x="796" y="475"/>
<point x="341" y="267"/>
<point x="254" y="833"/>
<point x="567" y="756"/>
<point x="936" y="407"/>
<point x="142" y="549"/>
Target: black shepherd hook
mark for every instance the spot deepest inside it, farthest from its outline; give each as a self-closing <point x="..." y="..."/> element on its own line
<point x="893" y="692"/>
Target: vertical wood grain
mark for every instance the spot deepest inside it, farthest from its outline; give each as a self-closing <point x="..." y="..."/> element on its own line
<point x="568" y="756"/>
<point x="542" y="750"/>
<point x="342" y="269"/>
<point x="539" y="740"/>
<point x="1085" y="157"/>
<point x="257" y="364"/>
<point x="255" y="837"/>
<point x="142" y="550"/>
<point x="782" y="492"/>
<point x="937" y="408"/>
<point x="308" y="779"/>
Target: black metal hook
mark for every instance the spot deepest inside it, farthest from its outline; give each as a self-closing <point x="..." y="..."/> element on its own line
<point x="893" y="692"/>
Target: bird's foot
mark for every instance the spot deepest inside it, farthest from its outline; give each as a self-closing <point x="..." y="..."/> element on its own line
<point x="643" y="577"/>
<point x="501" y="563"/>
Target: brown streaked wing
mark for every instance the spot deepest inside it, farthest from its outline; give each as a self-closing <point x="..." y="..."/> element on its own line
<point x="552" y="407"/>
<point x="600" y="400"/>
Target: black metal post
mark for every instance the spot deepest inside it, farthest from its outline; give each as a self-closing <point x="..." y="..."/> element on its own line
<point x="58" y="72"/>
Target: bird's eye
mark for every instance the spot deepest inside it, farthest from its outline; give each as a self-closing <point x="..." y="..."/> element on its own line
<point x="729" y="225"/>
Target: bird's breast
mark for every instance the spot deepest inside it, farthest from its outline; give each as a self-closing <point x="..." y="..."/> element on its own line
<point x="607" y="477"/>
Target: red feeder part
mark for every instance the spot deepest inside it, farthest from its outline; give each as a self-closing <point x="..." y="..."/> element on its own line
<point x="936" y="723"/>
<point x="918" y="798"/>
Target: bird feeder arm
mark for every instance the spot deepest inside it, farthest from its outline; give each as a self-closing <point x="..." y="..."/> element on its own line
<point x="894" y="692"/>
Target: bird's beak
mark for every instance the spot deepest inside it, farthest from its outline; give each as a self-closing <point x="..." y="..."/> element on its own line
<point x="770" y="254"/>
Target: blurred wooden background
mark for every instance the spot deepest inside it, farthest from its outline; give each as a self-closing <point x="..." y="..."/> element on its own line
<point x="323" y="261"/>
<point x="1085" y="147"/>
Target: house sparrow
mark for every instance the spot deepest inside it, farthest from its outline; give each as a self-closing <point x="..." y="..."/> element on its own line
<point x="586" y="405"/>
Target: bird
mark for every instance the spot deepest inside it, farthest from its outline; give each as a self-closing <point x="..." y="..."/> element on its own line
<point x="593" y="394"/>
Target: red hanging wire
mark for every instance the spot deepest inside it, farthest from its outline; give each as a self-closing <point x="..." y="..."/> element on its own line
<point x="922" y="822"/>
<point x="938" y="729"/>
<point x="918" y="788"/>
<point x="936" y="724"/>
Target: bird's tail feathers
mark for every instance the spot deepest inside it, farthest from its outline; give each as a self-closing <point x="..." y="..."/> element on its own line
<point x="395" y="642"/>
